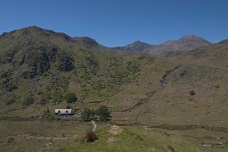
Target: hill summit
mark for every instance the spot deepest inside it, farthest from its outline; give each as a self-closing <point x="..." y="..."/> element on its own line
<point x="185" y="43"/>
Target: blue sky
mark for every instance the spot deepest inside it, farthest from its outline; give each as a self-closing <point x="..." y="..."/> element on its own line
<point x="120" y="22"/>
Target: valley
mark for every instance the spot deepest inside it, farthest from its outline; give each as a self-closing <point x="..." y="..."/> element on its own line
<point x="160" y="96"/>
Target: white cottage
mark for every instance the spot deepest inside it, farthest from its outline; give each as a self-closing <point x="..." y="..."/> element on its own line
<point x="63" y="111"/>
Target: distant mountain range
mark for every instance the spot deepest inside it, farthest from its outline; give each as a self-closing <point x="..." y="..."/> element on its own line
<point x="185" y="43"/>
<point x="16" y="44"/>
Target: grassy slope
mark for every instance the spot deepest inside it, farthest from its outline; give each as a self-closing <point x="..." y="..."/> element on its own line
<point x="139" y="97"/>
<point x="173" y="104"/>
<point x="214" y="55"/>
<point x="38" y="135"/>
<point x="93" y="71"/>
<point x="135" y="139"/>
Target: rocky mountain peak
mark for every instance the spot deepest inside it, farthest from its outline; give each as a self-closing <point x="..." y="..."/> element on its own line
<point x="193" y="38"/>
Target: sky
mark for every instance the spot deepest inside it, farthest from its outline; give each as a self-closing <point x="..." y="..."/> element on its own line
<point x="120" y="22"/>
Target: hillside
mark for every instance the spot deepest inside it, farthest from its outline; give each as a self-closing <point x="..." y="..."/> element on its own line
<point x="187" y="91"/>
<point x="135" y="139"/>
<point x="40" y="67"/>
<point x="185" y="43"/>
<point x="215" y="55"/>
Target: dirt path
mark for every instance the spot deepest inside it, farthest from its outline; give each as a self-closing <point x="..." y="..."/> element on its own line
<point x="174" y="127"/>
<point x="189" y="127"/>
<point x="29" y="136"/>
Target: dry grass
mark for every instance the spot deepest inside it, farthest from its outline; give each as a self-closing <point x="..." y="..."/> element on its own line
<point x="38" y="135"/>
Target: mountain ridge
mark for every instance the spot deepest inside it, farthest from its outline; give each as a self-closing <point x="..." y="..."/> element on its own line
<point x="184" y="43"/>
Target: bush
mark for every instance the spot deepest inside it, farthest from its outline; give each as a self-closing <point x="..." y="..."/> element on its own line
<point x="103" y="113"/>
<point x="10" y="101"/>
<point x="10" y="87"/>
<point x="192" y="93"/>
<point x="28" y="100"/>
<point x="47" y="113"/>
<point x="87" y="115"/>
<point x="65" y="62"/>
<point x="42" y="101"/>
<point x="89" y="136"/>
<point x="68" y="106"/>
<point x="71" y="98"/>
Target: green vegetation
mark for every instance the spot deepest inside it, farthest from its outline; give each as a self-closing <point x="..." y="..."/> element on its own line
<point x="47" y="113"/>
<point x="103" y="113"/>
<point x="100" y="114"/>
<point x="192" y="93"/>
<point x="10" y="100"/>
<point x="87" y="114"/>
<point x="28" y="100"/>
<point x="71" y="98"/>
<point x="135" y="139"/>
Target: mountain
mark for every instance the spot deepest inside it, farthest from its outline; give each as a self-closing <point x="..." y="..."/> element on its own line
<point x="214" y="55"/>
<point x="42" y="66"/>
<point x="185" y="43"/>
<point x="89" y="42"/>
<point x="136" y="47"/>
<point x="39" y="68"/>
<point x="37" y="35"/>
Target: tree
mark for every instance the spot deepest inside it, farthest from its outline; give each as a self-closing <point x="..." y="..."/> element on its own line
<point x="71" y="98"/>
<point x="103" y="113"/>
<point x="87" y="115"/>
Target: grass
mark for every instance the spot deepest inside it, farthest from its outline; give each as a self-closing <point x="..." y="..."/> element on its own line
<point x="135" y="139"/>
<point x="65" y="136"/>
<point x="38" y="135"/>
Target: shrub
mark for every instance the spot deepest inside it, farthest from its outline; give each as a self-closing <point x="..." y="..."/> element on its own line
<point x="10" y="101"/>
<point x="10" y="140"/>
<point x="42" y="101"/>
<point x="68" y="106"/>
<point x="65" y="62"/>
<point x="103" y="113"/>
<point x="28" y="100"/>
<point x="89" y="136"/>
<point x="192" y="93"/>
<point x="71" y="98"/>
<point x="87" y="115"/>
<point x="217" y="86"/>
<point x="11" y="86"/>
<point x="47" y="113"/>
